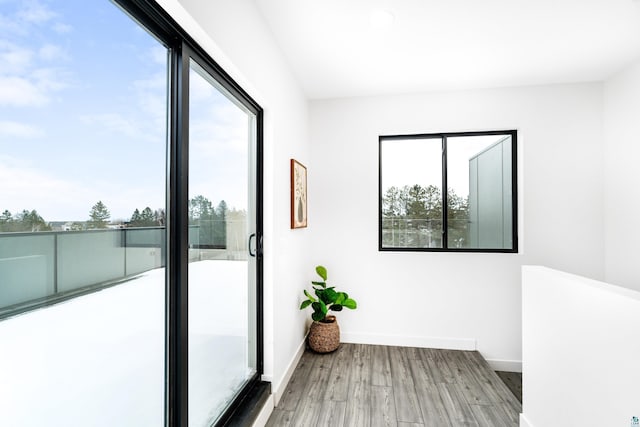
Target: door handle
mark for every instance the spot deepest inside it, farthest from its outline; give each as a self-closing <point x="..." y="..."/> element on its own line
<point x="252" y="236"/>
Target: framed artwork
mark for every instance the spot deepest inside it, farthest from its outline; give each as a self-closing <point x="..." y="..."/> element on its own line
<point x="298" y="195"/>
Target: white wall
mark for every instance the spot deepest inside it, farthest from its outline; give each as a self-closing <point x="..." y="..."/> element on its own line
<point x="622" y="177"/>
<point x="580" y="351"/>
<point x="454" y="299"/>
<point x="234" y="34"/>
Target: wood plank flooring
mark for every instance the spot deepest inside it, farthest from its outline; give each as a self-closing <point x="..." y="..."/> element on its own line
<point x="379" y="386"/>
<point x="513" y="381"/>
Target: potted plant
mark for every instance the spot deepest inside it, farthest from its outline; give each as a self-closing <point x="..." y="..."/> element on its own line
<point x="324" y="335"/>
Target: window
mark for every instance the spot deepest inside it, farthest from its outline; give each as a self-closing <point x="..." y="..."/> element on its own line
<point x="478" y="210"/>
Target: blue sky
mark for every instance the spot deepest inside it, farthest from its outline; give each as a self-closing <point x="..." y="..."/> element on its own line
<point x="83" y="113"/>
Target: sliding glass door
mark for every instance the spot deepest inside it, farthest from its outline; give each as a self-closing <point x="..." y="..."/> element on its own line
<point x="221" y="273"/>
<point x="130" y="221"/>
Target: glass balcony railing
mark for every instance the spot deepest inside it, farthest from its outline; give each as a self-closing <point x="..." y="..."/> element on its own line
<point x="412" y="233"/>
<point x="423" y="233"/>
<point x="38" y="268"/>
<point x="44" y="267"/>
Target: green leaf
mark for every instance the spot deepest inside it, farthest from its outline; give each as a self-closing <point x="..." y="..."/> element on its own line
<point x="309" y="296"/>
<point x="317" y="310"/>
<point x="322" y="272"/>
<point x="319" y="307"/>
<point x="305" y="304"/>
<point x="336" y="307"/>
<point x="329" y="296"/>
<point x="323" y="307"/>
<point x="350" y="303"/>
<point x="323" y="284"/>
<point x="340" y="298"/>
<point x="317" y="316"/>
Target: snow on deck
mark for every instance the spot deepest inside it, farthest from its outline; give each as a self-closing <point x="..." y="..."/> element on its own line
<point x="98" y="360"/>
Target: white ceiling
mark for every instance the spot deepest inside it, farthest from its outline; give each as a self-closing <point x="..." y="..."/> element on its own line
<point x="451" y="44"/>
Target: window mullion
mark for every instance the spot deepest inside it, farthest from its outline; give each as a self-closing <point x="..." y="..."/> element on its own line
<point x="445" y="224"/>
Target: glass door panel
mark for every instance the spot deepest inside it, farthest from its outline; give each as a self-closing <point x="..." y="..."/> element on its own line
<point x="83" y="146"/>
<point x="222" y="348"/>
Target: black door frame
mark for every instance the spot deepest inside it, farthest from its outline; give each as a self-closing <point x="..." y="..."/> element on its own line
<point x="181" y="46"/>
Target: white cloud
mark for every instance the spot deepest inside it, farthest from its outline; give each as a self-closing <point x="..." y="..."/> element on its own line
<point x="59" y="199"/>
<point x="199" y="89"/>
<point x="158" y="55"/>
<point x="147" y="119"/>
<point x="20" y="92"/>
<point x="49" y="52"/>
<point x="49" y="79"/>
<point x="156" y="83"/>
<point x="61" y="28"/>
<point x="130" y="127"/>
<point x="27" y="188"/>
<point x="21" y="82"/>
<point x="152" y="98"/>
<point x="114" y="122"/>
<point x="219" y="143"/>
<point x="18" y="130"/>
<point x="30" y="13"/>
<point x="13" y="58"/>
<point x="223" y="126"/>
<point x="36" y="13"/>
<point x="10" y="25"/>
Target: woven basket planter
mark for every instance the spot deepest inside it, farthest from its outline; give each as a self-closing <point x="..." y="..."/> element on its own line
<point x="324" y="336"/>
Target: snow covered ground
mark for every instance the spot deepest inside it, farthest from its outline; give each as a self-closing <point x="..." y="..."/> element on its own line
<point x="98" y="360"/>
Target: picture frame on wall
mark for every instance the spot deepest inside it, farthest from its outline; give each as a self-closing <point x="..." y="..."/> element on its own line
<point x="298" y="195"/>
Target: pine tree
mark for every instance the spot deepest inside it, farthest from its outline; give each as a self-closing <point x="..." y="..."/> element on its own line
<point x="98" y="216"/>
<point x="146" y="217"/>
<point x="159" y="216"/>
<point x="200" y="208"/>
<point x="414" y="207"/>
<point x="6" y="222"/>
<point x="135" y="219"/>
<point x="6" y="217"/>
<point x="220" y="228"/>
<point x="29" y="221"/>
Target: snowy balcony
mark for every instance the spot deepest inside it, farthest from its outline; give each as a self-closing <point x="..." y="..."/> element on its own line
<point x="97" y="356"/>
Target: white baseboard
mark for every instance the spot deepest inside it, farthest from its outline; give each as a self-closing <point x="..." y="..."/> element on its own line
<point x="425" y="342"/>
<point x="278" y="390"/>
<point x="524" y="422"/>
<point x="265" y="413"/>
<point x="505" y="365"/>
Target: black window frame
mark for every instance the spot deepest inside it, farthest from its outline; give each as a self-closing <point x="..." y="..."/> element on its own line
<point x="443" y="136"/>
<point x="181" y="46"/>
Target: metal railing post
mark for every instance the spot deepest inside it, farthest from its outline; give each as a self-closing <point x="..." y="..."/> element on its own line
<point x="55" y="263"/>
